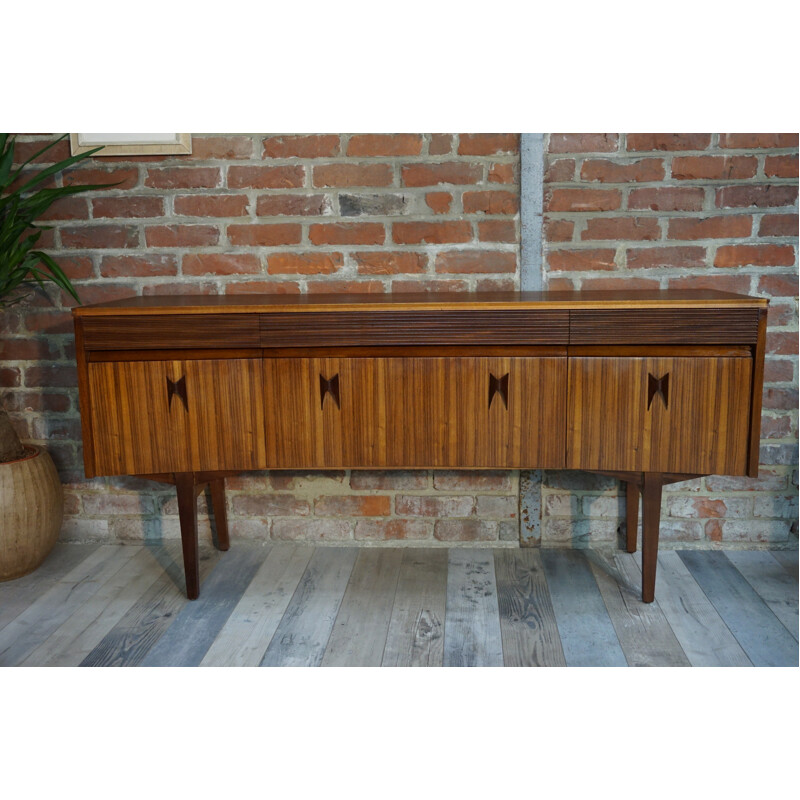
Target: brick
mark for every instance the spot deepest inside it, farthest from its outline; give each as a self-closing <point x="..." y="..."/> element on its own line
<point x="300" y="480"/>
<point x="430" y="286"/>
<point x="100" y="236"/>
<point x="27" y="349"/>
<point x="631" y="228"/>
<point x="748" y="141"/>
<point x="374" y="205"/>
<point x="347" y="233"/>
<point x="781" y="399"/>
<point x="603" y="506"/>
<point x="303" y="263"/>
<point x="487" y="144"/>
<point x="138" y="266"/>
<point x="476" y="261"/>
<point x="782" y="507"/>
<point x="391" y="529"/>
<point x="561" y="505"/>
<point x="431" y="232"/>
<point x="667" y="198"/>
<point x="25" y="150"/>
<point x="261" y="287"/>
<point x="759" y="255"/>
<point x="345" y="287"/>
<point x="104" y="505"/>
<point x="314" y="146"/>
<point x="439" y="202"/>
<point x="49" y="322"/>
<point x="496" y="285"/>
<point x="472" y="480"/>
<point x="292" y="205"/>
<point x="777" y="285"/>
<point x="693" y="228"/>
<point x="284" y="177"/>
<point x="464" y="530"/>
<point x="353" y="175"/>
<point x="781" y="427"/>
<point x="583" y="142"/>
<point x="183" y="178"/>
<point x="10" y="376"/>
<point x="353" y="506"/>
<point x="103" y="292"/>
<point x="389" y="263"/>
<point x="668" y="141"/>
<point x="441" y="144"/>
<point x="491" y="202"/>
<point x="607" y="171"/>
<point x="385" y="144"/>
<point x="583" y="260"/>
<point x="455" y="172"/>
<point x="66" y="208"/>
<point x="582" y="200"/>
<point x="499" y="230"/>
<point x="270" y="505"/>
<point x="223" y="147"/>
<point x="556" y="230"/>
<point x="49" y="376"/>
<point x="780" y="166"/>
<point x="388" y="479"/>
<point x="778" y="454"/>
<point x="560" y="284"/>
<point x="709" y="507"/>
<point x="778" y="370"/>
<point x="128" y="206"/>
<point x="220" y="264"/>
<point x="781" y="315"/>
<point x="497" y="507"/>
<point x="426" y="506"/>
<point x="312" y="530"/>
<point x="689" y="168"/>
<point x="768" y="481"/>
<point x="184" y="287"/>
<point x="778" y="225"/>
<point x="667" y="257"/>
<point x="560" y="170"/>
<point x="756" y="196"/>
<point x="123" y="178"/>
<point x="209" y="205"/>
<point x="619" y="284"/>
<point x="76" y="267"/>
<point x="181" y="236"/>
<point x="502" y="173"/>
<point x="782" y="344"/>
<point x="265" y="235"/>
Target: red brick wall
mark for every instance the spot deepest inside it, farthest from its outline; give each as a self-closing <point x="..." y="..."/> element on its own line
<point x="683" y="211"/>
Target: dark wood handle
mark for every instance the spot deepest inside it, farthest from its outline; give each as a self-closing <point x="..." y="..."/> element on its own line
<point x="658" y="386"/>
<point x="177" y="388"/>
<point x="329" y="387"/>
<point x="498" y="386"/>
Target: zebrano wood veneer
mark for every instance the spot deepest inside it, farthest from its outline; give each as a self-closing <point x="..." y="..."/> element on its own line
<point x="651" y="387"/>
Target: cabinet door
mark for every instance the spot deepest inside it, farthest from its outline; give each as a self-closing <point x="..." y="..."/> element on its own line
<point x="177" y="416"/>
<point x="415" y="412"/>
<point x="686" y="415"/>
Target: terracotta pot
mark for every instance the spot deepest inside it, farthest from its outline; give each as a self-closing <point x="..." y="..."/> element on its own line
<point x="31" y="511"/>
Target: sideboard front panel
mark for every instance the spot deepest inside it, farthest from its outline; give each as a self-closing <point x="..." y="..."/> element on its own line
<point x="683" y="415"/>
<point x="415" y="412"/>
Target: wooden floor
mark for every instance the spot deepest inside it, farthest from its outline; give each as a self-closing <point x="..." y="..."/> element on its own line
<point x="284" y="605"/>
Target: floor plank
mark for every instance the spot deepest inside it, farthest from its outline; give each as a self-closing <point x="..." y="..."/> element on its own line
<point x="788" y="560"/>
<point x="75" y="639"/>
<point x="472" y="635"/>
<point x="646" y="638"/>
<point x="128" y="642"/>
<point x="587" y="634"/>
<point x="197" y="624"/>
<point x="248" y="631"/>
<point x="17" y="595"/>
<point x="303" y="632"/>
<point x="38" y="621"/>
<point x="527" y="620"/>
<point x="416" y="630"/>
<point x="766" y="642"/>
<point x="776" y="587"/>
<point x="359" y="633"/>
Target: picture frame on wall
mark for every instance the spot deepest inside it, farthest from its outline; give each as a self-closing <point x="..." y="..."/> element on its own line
<point x="132" y="144"/>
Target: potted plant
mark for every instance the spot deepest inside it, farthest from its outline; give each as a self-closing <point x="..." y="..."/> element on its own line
<point x="31" y="497"/>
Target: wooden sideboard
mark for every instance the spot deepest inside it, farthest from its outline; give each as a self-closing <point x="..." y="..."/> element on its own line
<point x="650" y="387"/>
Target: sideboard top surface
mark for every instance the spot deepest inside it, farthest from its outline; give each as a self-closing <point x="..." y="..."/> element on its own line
<point x="227" y="304"/>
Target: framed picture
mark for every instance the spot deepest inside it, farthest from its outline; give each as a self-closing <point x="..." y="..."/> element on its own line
<point x="132" y="144"/>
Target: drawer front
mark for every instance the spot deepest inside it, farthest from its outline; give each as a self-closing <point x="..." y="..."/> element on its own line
<point x="177" y="416"/>
<point x="686" y="415"/>
<point x="415" y="412"/>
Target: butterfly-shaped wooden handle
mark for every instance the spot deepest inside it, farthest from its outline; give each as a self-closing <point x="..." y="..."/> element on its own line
<point x="498" y="386"/>
<point x="177" y="388"/>
<point x="658" y="386"/>
<point x="329" y="387"/>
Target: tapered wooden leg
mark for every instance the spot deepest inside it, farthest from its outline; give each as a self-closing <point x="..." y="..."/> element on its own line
<point x="631" y="516"/>
<point x="651" y="517"/>
<point x="187" y="509"/>
<point x="220" y="512"/>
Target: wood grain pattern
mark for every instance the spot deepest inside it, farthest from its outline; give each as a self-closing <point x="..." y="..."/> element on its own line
<point x="527" y="620"/>
<point x="415" y="412"/>
<point x="756" y="396"/>
<point x="704" y="430"/>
